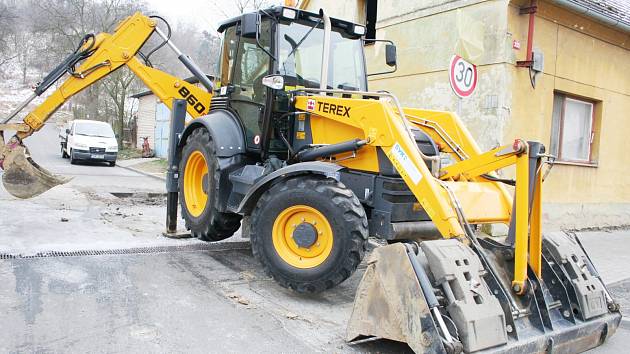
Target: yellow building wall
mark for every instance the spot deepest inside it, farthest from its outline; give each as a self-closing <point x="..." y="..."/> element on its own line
<point x="427" y="34"/>
<point x="581" y="58"/>
<point x="347" y="10"/>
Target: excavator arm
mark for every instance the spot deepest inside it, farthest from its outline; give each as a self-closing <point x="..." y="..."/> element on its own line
<point x="97" y="56"/>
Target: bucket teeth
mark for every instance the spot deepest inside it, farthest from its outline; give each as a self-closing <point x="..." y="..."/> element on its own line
<point x="22" y="177"/>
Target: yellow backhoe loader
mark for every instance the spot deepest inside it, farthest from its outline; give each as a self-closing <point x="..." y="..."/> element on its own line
<point x="289" y="143"/>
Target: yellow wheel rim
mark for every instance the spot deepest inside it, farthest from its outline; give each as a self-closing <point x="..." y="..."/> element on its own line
<point x="285" y="244"/>
<point x="194" y="174"/>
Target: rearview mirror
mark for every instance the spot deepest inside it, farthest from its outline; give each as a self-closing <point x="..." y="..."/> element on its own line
<point x="390" y="54"/>
<point x="67" y="130"/>
<point x="249" y="25"/>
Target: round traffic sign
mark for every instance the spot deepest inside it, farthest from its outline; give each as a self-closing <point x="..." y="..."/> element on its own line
<point x="463" y="76"/>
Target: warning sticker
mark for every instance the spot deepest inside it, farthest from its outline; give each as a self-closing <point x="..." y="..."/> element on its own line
<point x="310" y="104"/>
<point x="403" y="163"/>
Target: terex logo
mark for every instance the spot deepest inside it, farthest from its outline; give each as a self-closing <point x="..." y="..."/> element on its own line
<point x="336" y="109"/>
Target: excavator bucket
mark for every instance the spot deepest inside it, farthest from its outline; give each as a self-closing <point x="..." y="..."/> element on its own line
<point x="22" y="177"/>
<point x="390" y="304"/>
<point x="567" y="310"/>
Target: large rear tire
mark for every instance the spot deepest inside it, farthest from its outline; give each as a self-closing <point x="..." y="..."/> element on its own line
<point x="198" y="178"/>
<point x="309" y="233"/>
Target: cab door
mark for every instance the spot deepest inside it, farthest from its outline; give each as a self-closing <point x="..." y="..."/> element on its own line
<point x="248" y="66"/>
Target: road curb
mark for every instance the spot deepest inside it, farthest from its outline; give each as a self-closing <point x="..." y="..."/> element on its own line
<point x="130" y="168"/>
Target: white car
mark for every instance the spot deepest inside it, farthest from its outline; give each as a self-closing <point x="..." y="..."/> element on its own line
<point x="89" y="140"/>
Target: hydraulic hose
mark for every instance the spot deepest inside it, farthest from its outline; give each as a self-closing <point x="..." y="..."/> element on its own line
<point x="329" y="150"/>
<point x="427" y="290"/>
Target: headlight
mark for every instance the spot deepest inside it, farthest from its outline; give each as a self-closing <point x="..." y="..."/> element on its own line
<point x="112" y="148"/>
<point x="290" y="14"/>
<point x="80" y="146"/>
<point x="359" y="30"/>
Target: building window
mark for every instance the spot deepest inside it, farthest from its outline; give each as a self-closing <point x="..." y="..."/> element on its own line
<point x="370" y="21"/>
<point x="573" y="129"/>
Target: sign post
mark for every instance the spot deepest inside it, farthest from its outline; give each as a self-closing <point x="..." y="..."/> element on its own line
<point x="462" y="76"/>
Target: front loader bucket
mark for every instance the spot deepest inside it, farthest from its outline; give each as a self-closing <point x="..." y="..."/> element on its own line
<point x="389" y="303"/>
<point x="22" y="177"/>
<point x="567" y="310"/>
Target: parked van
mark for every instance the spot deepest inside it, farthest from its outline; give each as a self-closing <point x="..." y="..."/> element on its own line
<point x="89" y="140"/>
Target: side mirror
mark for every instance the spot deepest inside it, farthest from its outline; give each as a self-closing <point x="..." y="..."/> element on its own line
<point x="390" y="54"/>
<point x="67" y="130"/>
<point x="274" y="82"/>
<point x="250" y="25"/>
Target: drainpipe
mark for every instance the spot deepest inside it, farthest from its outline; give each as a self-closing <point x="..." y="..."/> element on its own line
<point x="531" y="10"/>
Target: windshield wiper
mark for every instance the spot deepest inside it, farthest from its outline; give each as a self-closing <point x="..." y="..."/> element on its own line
<point x="294" y="45"/>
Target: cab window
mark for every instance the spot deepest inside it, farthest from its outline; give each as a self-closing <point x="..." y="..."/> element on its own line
<point x="300" y="51"/>
<point x="228" y="51"/>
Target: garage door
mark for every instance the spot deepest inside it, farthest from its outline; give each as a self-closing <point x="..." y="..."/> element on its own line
<point x="162" y="127"/>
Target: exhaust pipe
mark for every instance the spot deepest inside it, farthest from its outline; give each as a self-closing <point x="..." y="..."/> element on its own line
<point x="323" y="81"/>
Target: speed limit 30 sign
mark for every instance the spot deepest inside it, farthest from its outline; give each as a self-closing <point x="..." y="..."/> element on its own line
<point x="463" y="76"/>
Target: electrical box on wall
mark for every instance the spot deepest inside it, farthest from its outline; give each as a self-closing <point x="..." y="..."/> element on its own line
<point x="538" y="60"/>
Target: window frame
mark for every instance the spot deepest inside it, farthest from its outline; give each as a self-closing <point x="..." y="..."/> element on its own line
<point x="560" y="134"/>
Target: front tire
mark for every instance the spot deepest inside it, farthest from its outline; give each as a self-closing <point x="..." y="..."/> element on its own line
<point x="64" y="154"/>
<point x="73" y="161"/>
<point x="199" y="175"/>
<point x="309" y="233"/>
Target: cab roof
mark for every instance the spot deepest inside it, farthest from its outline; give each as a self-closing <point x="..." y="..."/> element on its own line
<point x="302" y="16"/>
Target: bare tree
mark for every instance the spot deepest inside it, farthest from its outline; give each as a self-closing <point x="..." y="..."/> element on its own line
<point x="65" y="23"/>
<point x="36" y="35"/>
<point x="7" y="23"/>
<point x="24" y="47"/>
<point x="208" y="52"/>
<point x="202" y="47"/>
<point x="237" y="7"/>
<point x="118" y="88"/>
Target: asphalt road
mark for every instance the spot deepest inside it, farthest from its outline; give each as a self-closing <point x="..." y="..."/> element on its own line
<point x="91" y="201"/>
<point x="116" y="285"/>
<point x="98" y="177"/>
<point x="148" y="293"/>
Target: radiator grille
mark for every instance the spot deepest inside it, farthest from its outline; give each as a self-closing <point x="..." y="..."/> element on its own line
<point x="218" y="102"/>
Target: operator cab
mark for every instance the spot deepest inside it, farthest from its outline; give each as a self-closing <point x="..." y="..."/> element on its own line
<point x="288" y="42"/>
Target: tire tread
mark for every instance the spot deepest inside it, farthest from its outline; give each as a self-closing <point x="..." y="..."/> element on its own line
<point x="354" y="215"/>
<point x="219" y="226"/>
